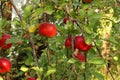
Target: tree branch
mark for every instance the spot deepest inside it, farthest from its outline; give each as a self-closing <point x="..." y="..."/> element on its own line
<point x="18" y="13"/>
<point x="104" y="61"/>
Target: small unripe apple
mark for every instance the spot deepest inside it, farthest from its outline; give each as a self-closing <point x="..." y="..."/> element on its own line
<point x="31" y="78"/>
<point x="3" y="44"/>
<point x="87" y="1"/>
<point x="5" y="65"/>
<point x="65" y="20"/>
<point x="47" y="29"/>
<point x="80" y="57"/>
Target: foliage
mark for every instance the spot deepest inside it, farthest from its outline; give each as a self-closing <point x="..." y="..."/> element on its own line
<point x="54" y="61"/>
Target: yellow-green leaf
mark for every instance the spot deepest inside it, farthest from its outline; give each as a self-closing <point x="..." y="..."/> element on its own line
<point x="50" y="71"/>
<point x="24" y="69"/>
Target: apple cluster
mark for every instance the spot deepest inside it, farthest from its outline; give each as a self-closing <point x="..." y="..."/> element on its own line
<point x="80" y="44"/>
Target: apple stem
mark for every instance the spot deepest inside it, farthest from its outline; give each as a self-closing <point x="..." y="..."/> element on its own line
<point x="82" y="28"/>
<point x="63" y="74"/>
<point x="48" y="52"/>
<point x="72" y="43"/>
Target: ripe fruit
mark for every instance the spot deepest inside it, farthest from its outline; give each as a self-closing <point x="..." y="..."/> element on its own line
<point x="68" y="42"/>
<point x="79" y="43"/>
<point x="47" y="29"/>
<point x="87" y="1"/>
<point x="5" y="65"/>
<point x="31" y="78"/>
<point x="3" y="44"/>
<point x="65" y="20"/>
<point x="80" y="57"/>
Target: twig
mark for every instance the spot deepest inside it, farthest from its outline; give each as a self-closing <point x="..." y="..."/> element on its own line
<point x="30" y="38"/>
<point x="104" y="61"/>
<point x="34" y="52"/>
<point x="48" y="52"/>
<point x="69" y="78"/>
<point x="74" y="70"/>
<point x="1" y="9"/>
<point x="82" y="28"/>
<point x="85" y="66"/>
<point x="18" y="13"/>
<point x="63" y="74"/>
<point x="77" y="7"/>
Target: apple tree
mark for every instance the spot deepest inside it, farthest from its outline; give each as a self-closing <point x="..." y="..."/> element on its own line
<point x="60" y="40"/>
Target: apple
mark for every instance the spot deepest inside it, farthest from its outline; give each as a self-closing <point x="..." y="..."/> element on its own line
<point x="5" y="65"/>
<point x="65" y="20"/>
<point x="79" y="43"/>
<point x="47" y="29"/>
<point x="68" y="42"/>
<point x="31" y="78"/>
<point x="80" y="57"/>
<point x="3" y="44"/>
<point x="87" y="1"/>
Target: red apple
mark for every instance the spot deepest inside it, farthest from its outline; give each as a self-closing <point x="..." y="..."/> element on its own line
<point x="79" y="43"/>
<point x="31" y="78"/>
<point x="87" y="1"/>
<point x="80" y="57"/>
<point x="3" y="44"/>
<point x="68" y="42"/>
<point x="47" y="29"/>
<point x="65" y="20"/>
<point x="5" y="65"/>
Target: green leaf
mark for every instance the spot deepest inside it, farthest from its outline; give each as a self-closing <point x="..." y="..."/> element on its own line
<point x="50" y="71"/>
<point x="24" y="68"/>
<point x="49" y="9"/>
<point x="39" y="70"/>
<point x="38" y="78"/>
<point x="3" y="23"/>
<point x="98" y="75"/>
<point x="91" y="12"/>
<point x="82" y="12"/>
<point x="71" y="60"/>
<point x="88" y="29"/>
<point x="96" y="60"/>
<point x="29" y="59"/>
<point x="37" y="12"/>
<point x="12" y="40"/>
<point x="27" y="11"/>
<point x="1" y="78"/>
